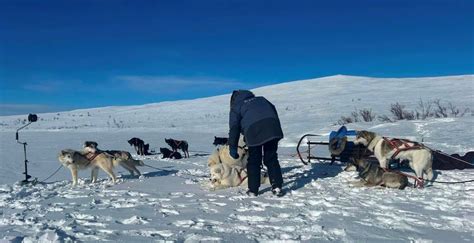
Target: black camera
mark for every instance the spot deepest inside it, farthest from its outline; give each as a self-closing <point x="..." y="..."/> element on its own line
<point x="32" y="118"/>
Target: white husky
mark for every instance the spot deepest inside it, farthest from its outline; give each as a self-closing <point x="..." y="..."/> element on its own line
<point x="75" y="160"/>
<point x="221" y="155"/>
<point x="225" y="176"/>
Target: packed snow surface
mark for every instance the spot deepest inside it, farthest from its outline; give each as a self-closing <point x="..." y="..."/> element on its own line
<point x="171" y="200"/>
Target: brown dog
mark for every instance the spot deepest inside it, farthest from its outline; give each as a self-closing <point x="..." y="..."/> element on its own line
<point x="372" y="175"/>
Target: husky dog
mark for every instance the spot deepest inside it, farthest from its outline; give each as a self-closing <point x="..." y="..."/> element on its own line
<point x="225" y="176"/>
<point x="220" y="141"/>
<point x="123" y="157"/>
<point x="75" y="160"/>
<point x="146" y="147"/>
<point x="420" y="158"/>
<point x="221" y="156"/>
<point x="127" y="161"/>
<point x="90" y="146"/>
<point x="178" y="144"/>
<point x="170" y="154"/>
<point x="140" y="147"/>
<point x="372" y="175"/>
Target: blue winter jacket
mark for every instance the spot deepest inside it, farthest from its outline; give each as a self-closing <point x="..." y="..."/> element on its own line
<point x="255" y="117"/>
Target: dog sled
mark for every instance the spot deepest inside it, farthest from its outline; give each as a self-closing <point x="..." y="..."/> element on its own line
<point x="339" y="147"/>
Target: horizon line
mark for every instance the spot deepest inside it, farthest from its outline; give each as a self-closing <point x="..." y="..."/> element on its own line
<point x="206" y="97"/>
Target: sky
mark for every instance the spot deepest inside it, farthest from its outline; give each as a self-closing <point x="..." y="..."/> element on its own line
<point x="63" y="55"/>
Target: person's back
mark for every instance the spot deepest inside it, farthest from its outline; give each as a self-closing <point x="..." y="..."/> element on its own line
<point x="256" y="117"/>
<point x="258" y="120"/>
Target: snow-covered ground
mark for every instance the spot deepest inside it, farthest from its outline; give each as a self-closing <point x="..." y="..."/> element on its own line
<point x="173" y="202"/>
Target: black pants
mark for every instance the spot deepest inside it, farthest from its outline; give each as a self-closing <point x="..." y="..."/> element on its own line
<point x="270" y="159"/>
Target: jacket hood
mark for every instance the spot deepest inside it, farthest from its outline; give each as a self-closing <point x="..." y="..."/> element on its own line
<point x="239" y="96"/>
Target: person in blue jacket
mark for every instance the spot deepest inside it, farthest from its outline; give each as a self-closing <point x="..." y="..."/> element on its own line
<point x="257" y="119"/>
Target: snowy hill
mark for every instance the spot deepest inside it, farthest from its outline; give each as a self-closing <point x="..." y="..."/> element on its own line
<point x="173" y="204"/>
<point x="315" y="101"/>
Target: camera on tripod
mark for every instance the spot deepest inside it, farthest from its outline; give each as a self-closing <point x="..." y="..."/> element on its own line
<point x="31" y="118"/>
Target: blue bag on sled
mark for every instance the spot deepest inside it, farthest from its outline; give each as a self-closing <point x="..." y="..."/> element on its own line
<point x="339" y="144"/>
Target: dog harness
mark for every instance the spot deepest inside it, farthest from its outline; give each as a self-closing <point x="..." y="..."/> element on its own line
<point x="400" y="145"/>
<point x="418" y="181"/>
<point x="242" y="179"/>
<point x="91" y="156"/>
<point x="177" y="142"/>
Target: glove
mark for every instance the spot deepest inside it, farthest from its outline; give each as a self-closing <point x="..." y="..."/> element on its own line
<point x="233" y="152"/>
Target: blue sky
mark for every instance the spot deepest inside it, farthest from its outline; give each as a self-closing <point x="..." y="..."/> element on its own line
<point x="61" y="55"/>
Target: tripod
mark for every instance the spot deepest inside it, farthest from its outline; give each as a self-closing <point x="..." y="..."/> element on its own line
<point x="27" y="177"/>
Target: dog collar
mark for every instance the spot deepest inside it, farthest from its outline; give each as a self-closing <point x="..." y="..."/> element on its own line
<point x="374" y="142"/>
